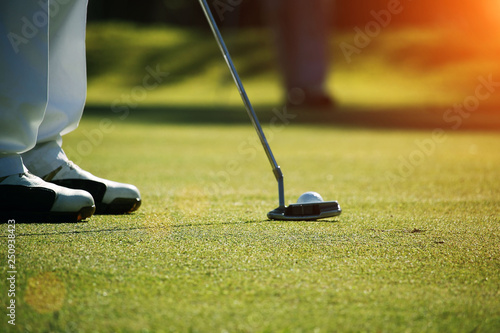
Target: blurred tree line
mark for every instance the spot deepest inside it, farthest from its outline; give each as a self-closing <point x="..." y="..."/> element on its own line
<point x="344" y="13"/>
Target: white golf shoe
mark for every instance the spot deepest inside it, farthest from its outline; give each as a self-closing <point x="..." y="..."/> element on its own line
<point x="27" y="198"/>
<point x="110" y="197"/>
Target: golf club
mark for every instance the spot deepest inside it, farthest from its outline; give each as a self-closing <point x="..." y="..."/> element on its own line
<point x="299" y="211"/>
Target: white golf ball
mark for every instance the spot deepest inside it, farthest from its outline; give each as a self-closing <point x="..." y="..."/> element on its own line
<point x="309" y="197"/>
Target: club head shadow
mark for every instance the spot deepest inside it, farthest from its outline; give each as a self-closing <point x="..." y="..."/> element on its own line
<point x="306" y="212"/>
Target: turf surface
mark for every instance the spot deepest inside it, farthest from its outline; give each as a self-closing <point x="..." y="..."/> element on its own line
<point x="415" y="249"/>
<point x="418" y="254"/>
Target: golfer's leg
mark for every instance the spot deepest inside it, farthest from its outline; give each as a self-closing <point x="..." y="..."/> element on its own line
<point x="300" y="29"/>
<point x="308" y="62"/>
<point x="67" y="90"/>
<point x="24" y="64"/>
<point x="23" y="80"/>
<point x="277" y="17"/>
<point x="66" y="87"/>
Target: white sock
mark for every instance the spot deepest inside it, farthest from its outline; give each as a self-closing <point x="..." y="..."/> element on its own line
<point x="11" y="165"/>
<point x="44" y="158"/>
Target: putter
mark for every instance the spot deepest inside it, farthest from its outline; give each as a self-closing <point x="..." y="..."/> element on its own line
<point x="294" y="212"/>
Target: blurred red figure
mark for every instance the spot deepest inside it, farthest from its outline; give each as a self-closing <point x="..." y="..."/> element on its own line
<point x="301" y="34"/>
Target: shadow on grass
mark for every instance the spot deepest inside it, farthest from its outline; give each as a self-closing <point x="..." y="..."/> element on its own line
<point x="487" y="119"/>
<point x="74" y="232"/>
<point x="188" y="225"/>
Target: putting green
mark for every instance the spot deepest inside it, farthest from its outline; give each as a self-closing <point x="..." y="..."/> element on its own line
<point x="415" y="249"/>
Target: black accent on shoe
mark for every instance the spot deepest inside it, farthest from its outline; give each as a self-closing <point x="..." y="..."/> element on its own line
<point x="33" y="204"/>
<point x="96" y="189"/>
<point x="26" y="199"/>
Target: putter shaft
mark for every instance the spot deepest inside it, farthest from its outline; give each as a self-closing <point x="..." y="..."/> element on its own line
<point x="248" y="106"/>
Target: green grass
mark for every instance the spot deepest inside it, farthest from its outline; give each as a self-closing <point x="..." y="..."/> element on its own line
<point x="415" y="249"/>
<point x="418" y="255"/>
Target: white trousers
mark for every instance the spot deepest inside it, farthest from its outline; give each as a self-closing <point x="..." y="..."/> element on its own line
<point x="42" y="80"/>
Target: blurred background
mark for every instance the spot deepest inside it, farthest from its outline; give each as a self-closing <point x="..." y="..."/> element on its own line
<point x="469" y="14"/>
<point x="430" y="57"/>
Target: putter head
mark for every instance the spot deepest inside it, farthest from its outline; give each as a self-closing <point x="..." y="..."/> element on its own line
<point x="306" y="211"/>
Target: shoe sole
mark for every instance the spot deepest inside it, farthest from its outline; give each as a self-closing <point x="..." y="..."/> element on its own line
<point x="118" y="206"/>
<point x="48" y="217"/>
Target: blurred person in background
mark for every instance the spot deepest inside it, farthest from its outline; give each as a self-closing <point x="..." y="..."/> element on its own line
<point x="42" y="95"/>
<point x="301" y="34"/>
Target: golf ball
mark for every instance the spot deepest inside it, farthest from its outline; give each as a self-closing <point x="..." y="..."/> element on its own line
<point x="309" y="197"/>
